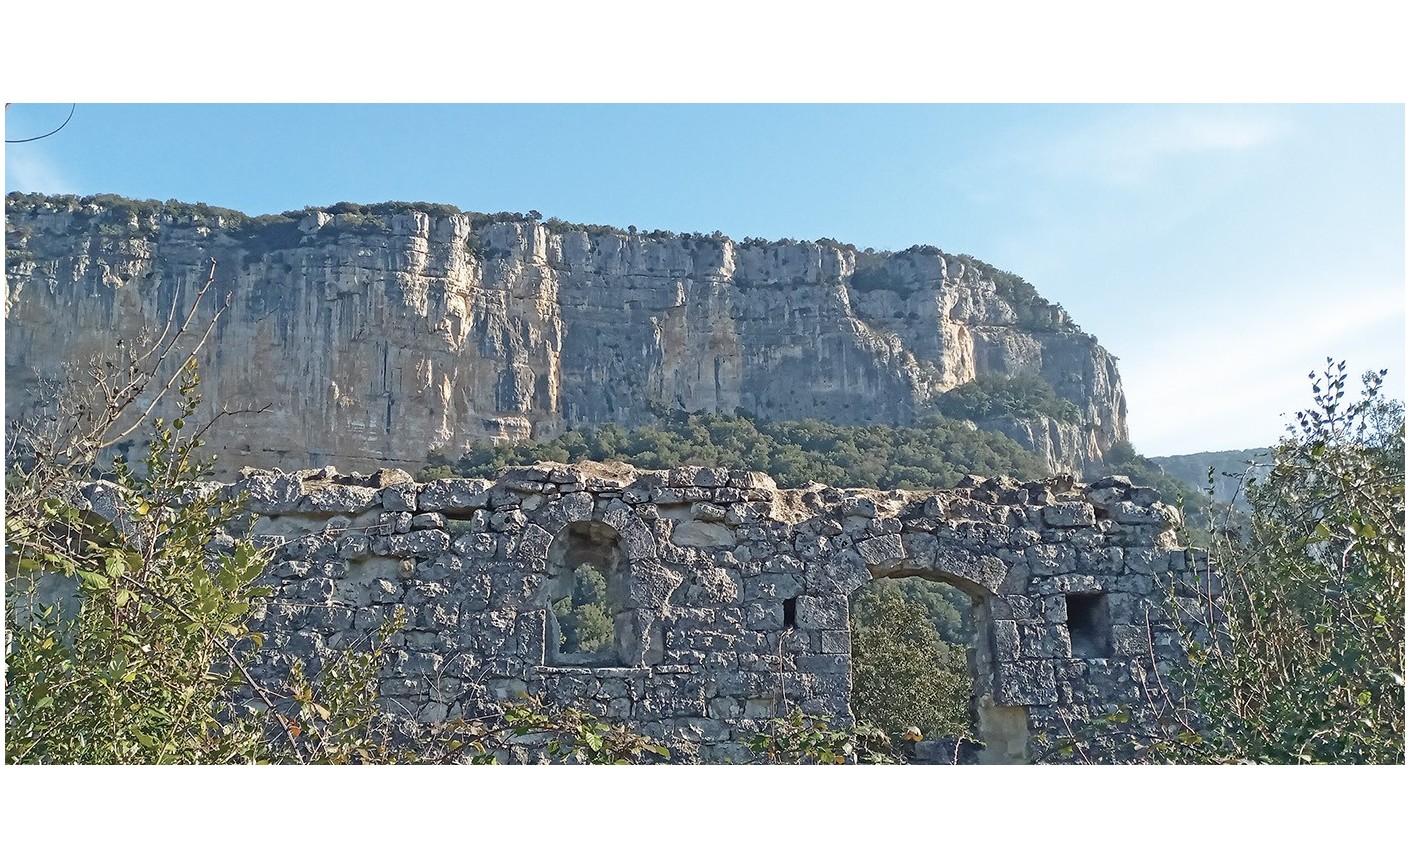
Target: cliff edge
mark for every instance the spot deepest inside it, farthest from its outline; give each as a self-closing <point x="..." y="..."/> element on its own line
<point x="381" y="333"/>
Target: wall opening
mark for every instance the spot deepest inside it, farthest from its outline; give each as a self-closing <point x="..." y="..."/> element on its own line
<point x="914" y="660"/>
<point x="587" y="601"/>
<point x="1089" y="625"/>
<point x="790" y="613"/>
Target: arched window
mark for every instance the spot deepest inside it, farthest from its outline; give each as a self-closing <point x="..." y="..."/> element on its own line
<point x="589" y="612"/>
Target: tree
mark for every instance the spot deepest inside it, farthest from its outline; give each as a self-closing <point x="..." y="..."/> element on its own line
<point x="903" y="674"/>
<point x="584" y="619"/>
<point x="135" y="658"/>
<point x="129" y="591"/>
<point x="1309" y="661"/>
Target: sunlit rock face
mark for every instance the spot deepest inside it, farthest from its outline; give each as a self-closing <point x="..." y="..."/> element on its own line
<point x="376" y="338"/>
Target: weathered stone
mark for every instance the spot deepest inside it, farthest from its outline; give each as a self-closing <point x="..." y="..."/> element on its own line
<point x="1006" y="642"/>
<point x="453" y="495"/>
<point x="400" y="497"/>
<point x="339" y="498"/>
<point x="1069" y="514"/>
<point x="881" y="550"/>
<point x="534" y="542"/>
<point x="700" y="534"/>
<point x="1027" y="682"/>
<point x="1050" y="560"/>
<point x="1126" y="512"/>
<point x="822" y="613"/>
<point x="707" y="512"/>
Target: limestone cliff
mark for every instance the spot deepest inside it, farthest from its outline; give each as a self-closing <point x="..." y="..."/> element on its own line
<point x="380" y="334"/>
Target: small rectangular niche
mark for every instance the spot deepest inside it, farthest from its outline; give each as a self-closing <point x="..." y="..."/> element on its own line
<point x="790" y="613"/>
<point x="1089" y="624"/>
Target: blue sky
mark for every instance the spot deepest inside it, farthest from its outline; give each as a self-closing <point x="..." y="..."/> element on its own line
<point x="1220" y="251"/>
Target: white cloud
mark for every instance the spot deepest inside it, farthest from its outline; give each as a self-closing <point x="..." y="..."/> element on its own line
<point x="27" y="170"/>
<point x="1126" y="147"/>
<point x="1235" y="383"/>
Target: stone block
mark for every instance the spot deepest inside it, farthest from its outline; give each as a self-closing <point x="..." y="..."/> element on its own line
<point x="353" y="544"/>
<point x="1103" y="559"/>
<point x="702" y="534"/>
<point x="1006" y="641"/>
<point x="422" y="543"/>
<point x="272" y="493"/>
<point x="711" y="477"/>
<point x="453" y="495"/>
<point x="822" y="612"/>
<point x="1130" y="640"/>
<point x="1027" y="682"/>
<point x="529" y="629"/>
<point x="772" y="586"/>
<point x="534" y="542"/>
<point x="1040" y="640"/>
<point x="400" y="497"/>
<point x="1125" y="512"/>
<point x="347" y="499"/>
<point x="428" y="521"/>
<point x="987" y="571"/>
<point x="847" y="572"/>
<point x="836" y="642"/>
<point x="502" y="689"/>
<point x="1014" y="607"/>
<point x="707" y="512"/>
<point x="1070" y="513"/>
<point x="508" y="520"/>
<point x="824" y="663"/>
<point x="1051" y="560"/>
<point x="881" y="550"/>
<point x="920" y="550"/>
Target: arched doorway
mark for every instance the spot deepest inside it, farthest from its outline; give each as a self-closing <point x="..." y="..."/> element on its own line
<point x="1002" y="731"/>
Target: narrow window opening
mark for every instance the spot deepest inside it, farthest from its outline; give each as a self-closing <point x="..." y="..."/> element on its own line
<point x="1089" y="625"/>
<point x="790" y="613"/>
<point x="586" y="597"/>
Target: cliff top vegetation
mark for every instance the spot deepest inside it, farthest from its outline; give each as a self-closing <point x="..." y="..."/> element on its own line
<point x="272" y="230"/>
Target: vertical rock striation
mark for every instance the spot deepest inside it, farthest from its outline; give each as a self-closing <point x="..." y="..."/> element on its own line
<point x="380" y="334"/>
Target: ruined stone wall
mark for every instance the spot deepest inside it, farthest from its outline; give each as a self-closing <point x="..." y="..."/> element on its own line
<point x="729" y="597"/>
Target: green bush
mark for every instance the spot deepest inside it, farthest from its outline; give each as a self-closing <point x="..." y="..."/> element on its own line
<point x="903" y="674"/>
<point x="584" y="616"/>
<point x="1022" y="396"/>
<point x="1309" y="661"/>
<point x="935" y="453"/>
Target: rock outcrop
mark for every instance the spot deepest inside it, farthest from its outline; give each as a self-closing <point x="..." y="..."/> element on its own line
<point x="378" y="335"/>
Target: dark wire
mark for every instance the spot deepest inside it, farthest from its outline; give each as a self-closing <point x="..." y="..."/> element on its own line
<point x="48" y="134"/>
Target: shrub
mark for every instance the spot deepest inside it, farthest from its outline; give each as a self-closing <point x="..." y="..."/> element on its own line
<point x="903" y="674"/>
<point x="1022" y="396"/>
<point x="1308" y="663"/>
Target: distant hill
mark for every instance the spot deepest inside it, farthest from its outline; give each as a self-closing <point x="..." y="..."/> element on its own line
<point x="1229" y="466"/>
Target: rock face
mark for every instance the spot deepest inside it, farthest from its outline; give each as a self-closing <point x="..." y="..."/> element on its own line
<point x="380" y="335"/>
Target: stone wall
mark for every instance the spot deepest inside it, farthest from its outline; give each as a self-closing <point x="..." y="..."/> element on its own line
<point x="728" y="597"/>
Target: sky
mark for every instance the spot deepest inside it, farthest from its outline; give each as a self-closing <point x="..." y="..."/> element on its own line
<point x="1221" y="252"/>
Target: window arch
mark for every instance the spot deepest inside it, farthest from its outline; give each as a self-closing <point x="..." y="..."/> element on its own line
<point x="587" y="601"/>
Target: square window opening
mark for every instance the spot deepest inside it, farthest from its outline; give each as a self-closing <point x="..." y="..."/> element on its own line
<point x="1089" y="625"/>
